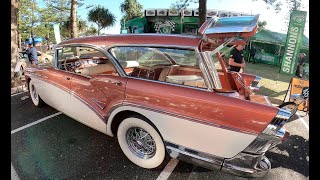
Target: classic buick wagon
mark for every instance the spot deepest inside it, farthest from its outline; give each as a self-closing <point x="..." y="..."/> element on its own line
<point x="166" y="95"/>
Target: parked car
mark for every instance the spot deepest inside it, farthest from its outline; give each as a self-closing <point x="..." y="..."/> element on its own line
<point x="166" y="95"/>
<point x="24" y="61"/>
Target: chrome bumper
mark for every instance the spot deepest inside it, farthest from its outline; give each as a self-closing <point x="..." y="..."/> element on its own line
<point x="247" y="165"/>
<point x="243" y="164"/>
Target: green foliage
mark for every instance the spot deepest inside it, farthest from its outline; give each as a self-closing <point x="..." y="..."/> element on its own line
<point x="102" y="17"/>
<point x="91" y="31"/>
<point x="131" y="9"/>
<point x="261" y="25"/>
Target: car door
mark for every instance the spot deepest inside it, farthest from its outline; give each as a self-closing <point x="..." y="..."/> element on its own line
<point x="95" y="88"/>
<point x="53" y="84"/>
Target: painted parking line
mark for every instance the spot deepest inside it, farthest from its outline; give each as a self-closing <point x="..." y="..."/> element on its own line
<point x="14" y="175"/>
<point x="36" y="122"/>
<point x="168" y="169"/>
<point x="303" y="122"/>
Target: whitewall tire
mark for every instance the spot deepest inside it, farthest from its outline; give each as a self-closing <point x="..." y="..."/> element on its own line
<point x="37" y="101"/>
<point x="141" y="143"/>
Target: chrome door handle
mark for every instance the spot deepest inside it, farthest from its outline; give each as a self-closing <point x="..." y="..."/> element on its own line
<point x="66" y="77"/>
<point x="118" y="83"/>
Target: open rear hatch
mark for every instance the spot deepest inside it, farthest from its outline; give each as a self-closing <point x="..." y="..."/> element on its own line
<point x="220" y="29"/>
<point x="218" y="33"/>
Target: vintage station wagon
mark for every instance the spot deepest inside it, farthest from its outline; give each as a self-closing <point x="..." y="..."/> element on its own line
<point x="166" y="95"/>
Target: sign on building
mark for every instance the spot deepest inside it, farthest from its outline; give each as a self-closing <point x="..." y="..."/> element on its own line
<point x="294" y="39"/>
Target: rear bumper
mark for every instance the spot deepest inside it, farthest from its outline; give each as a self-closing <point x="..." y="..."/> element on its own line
<point x="247" y="165"/>
<point x="243" y="164"/>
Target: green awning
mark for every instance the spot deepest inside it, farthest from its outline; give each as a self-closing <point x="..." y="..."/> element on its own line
<point x="270" y="37"/>
<point x="136" y="22"/>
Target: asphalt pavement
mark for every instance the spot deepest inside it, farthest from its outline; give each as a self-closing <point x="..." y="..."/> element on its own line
<point x="58" y="147"/>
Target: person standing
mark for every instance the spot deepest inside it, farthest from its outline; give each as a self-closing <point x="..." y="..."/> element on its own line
<point x="252" y="53"/>
<point x="32" y="54"/>
<point x="301" y="61"/>
<point x="236" y="59"/>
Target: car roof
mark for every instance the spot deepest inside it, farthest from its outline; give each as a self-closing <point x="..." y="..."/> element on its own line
<point x="139" y="39"/>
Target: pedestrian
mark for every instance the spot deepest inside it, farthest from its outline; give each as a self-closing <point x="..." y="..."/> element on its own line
<point x="252" y="53"/>
<point x="32" y="54"/>
<point x="300" y="65"/>
<point x="236" y="59"/>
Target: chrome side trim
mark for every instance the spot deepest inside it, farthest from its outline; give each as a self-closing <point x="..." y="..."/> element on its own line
<point x="72" y="94"/>
<point x="182" y="117"/>
<point x="99" y="103"/>
<point x="193" y="156"/>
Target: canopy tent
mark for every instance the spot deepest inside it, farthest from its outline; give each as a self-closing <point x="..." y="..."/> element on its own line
<point x="136" y="23"/>
<point x="36" y="40"/>
<point x="270" y="37"/>
<point x="270" y="46"/>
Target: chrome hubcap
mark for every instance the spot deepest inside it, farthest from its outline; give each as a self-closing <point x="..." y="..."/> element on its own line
<point x="34" y="93"/>
<point x="141" y="143"/>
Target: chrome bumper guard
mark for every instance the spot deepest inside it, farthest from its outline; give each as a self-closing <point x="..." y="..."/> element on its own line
<point x="247" y="165"/>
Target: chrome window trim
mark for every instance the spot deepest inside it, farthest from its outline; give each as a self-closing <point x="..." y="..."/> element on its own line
<point x="117" y="66"/>
<point x="205" y="75"/>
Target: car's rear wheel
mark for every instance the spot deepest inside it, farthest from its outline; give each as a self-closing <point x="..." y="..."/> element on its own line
<point x="141" y="143"/>
<point x="36" y="99"/>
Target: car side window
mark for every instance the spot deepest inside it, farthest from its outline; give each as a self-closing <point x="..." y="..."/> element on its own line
<point x="85" y="61"/>
<point x="177" y="66"/>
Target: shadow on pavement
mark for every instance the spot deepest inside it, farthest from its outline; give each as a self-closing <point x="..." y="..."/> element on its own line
<point x="291" y="154"/>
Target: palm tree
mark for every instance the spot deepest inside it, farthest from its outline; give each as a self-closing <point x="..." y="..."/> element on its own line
<point x="102" y="17"/>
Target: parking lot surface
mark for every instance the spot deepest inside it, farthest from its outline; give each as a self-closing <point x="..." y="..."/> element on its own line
<point x="46" y="144"/>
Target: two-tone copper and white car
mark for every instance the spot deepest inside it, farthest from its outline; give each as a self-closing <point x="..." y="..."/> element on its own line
<point x="166" y="95"/>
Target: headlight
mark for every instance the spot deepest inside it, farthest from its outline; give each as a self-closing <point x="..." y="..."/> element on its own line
<point x="254" y="85"/>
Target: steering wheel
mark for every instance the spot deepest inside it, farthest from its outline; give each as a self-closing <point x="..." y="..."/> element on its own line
<point x="65" y="66"/>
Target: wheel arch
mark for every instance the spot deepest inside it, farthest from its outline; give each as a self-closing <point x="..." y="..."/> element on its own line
<point x="121" y="115"/>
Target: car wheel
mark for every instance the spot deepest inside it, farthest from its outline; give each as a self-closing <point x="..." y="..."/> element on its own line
<point x="36" y="99"/>
<point x="141" y="143"/>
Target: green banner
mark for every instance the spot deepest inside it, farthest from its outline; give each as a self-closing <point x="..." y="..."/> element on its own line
<point x="293" y="41"/>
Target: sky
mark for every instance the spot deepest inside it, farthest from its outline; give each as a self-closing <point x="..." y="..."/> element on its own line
<point x="275" y="21"/>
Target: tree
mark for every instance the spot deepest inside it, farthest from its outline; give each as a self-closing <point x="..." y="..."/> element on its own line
<point x="261" y="25"/>
<point x="91" y="31"/>
<point x="131" y="9"/>
<point x="202" y="12"/>
<point x="73" y="19"/>
<point x="14" y="20"/>
<point x="291" y="5"/>
<point x="102" y="17"/>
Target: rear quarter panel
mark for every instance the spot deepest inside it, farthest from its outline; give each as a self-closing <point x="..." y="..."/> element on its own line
<point x="199" y="119"/>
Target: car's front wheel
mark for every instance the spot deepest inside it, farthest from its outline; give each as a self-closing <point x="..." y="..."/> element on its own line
<point x="141" y="143"/>
<point x="36" y="99"/>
